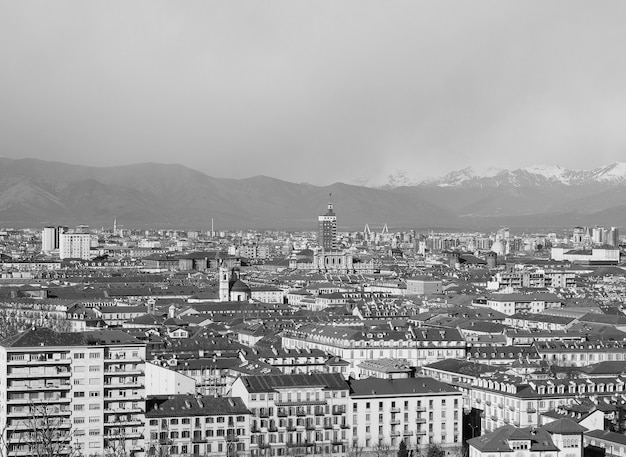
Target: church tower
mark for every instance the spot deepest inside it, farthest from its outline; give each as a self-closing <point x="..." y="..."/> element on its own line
<point x="327" y="229"/>
<point x="224" y="284"/>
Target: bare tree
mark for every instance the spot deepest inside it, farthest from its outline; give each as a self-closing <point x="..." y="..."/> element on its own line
<point x="45" y="433"/>
<point x="383" y="449"/>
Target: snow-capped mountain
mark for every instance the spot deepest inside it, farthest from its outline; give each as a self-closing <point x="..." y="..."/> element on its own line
<point x="533" y="176"/>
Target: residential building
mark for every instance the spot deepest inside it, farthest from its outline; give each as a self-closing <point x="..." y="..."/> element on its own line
<point x="75" y="246"/>
<point x="196" y="425"/>
<point x="561" y="438"/>
<point x="418" y="411"/>
<point x="296" y="414"/>
<point x="90" y="385"/>
<point x="419" y="346"/>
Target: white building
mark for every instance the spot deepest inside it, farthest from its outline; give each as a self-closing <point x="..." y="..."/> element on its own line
<point x="86" y="388"/>
<point x="296" y="414"/>
<point x="75" y="246"/>
<point x="418" y="411"/>
<point x="561" y="438"/>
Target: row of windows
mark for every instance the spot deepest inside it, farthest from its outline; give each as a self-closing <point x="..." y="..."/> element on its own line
<point x="307" y="396"/>
<point x="431" y="404"/>
<point x="197" y="421"/>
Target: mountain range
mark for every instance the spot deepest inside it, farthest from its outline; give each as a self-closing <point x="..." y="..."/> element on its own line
<point x="35" y="193"/>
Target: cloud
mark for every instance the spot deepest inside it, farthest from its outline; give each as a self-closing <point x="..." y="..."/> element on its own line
<point x="315" y="92"/>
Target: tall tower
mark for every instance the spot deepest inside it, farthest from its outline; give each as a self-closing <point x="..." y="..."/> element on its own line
<point x="327" y="229"/>
<point x="224" y="284"/>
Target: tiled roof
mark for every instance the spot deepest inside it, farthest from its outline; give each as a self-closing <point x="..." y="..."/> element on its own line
<point x="190" y="406"/>
<point x="498" y="440"/>
<point x="407" y="386"/>
<point x="47" y="337"/>
<point x="269" y="383"/>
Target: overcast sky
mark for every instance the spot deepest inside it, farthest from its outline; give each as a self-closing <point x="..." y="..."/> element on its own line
<point x="317" y="91"/>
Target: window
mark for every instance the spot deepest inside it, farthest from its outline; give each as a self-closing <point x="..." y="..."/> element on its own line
<point x="79" y="420"/>
<point x="79" y="355"/>
<point x="94" y="406"/>
<point x="94" y="355"/>
<point x="94" y="369"/>
<point x="94" y="394"/>
<point x="79" y="394"/>
<point x="79" y="407"/>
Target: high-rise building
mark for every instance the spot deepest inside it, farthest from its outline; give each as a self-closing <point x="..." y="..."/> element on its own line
<point x="327" y="229"/>
<point x="612" y="237"/>
<point x="66" y="392"/>
<point x="50" y="238"/>
<point x="75" y="246"/>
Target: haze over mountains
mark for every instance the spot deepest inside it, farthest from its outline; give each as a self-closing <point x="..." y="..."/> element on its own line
<point x="35" y="193"/>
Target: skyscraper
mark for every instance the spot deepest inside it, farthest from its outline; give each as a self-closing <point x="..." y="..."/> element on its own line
<point x="327" y="229"/>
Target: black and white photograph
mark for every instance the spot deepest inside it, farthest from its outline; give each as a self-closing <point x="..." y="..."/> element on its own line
<point x="346" y="228"/>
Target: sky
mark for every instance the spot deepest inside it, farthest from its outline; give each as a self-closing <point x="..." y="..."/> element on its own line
<point x="316" y="92"/>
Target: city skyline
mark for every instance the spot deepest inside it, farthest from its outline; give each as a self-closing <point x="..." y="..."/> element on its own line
<point x="342" y="91"/>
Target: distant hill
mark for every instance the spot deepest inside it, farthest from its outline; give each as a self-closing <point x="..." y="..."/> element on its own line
<point x="35" y="192"/>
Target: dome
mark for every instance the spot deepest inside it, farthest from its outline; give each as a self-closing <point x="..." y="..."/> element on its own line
<point x="240" y="286"/>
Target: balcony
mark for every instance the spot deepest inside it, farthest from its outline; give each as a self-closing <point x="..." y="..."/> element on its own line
<point x="339" y="410"/>
<point x="328" y="425"/>
<point x="264" y="413"/>
<point x="531" y="410"/>
<point x="394" y="421"/>
<point x="291" y="428"/>
<point x="310" y="426"/>
<point x="420" y="432"/>
<point x="319" y="411"/>
<point x="123" y="371"/>
<point x="301" y="412"/>
<point x="123" y="385"/>
<point x="407" y="433"/>
<point x="395" y="410"/>
<point x="282" y="413"/>
<point x="34" y="360"/>
<point x="344" y="425"/>
<point x="125" y="409"/>
<point x="395" y="433"/>
<point x="420" y="420"/>
<point x="420" y="409"/>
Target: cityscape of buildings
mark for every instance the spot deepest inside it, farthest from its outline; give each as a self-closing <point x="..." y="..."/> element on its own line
<point x="147" y="342"/>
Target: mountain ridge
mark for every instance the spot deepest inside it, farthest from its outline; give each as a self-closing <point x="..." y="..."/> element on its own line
<point x="35" y="192"/>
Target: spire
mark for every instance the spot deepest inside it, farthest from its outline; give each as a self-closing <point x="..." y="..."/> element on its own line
<point x="330" y="204"/>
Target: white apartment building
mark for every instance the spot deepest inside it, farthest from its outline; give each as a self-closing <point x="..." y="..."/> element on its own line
<point x="419" y="346"/>
<point x="87" y="388"/>
<point x="194" y="425"/>
<point x="75" y="246"/>
<point x="296" y="414"/>
<point x="418" y="411"/>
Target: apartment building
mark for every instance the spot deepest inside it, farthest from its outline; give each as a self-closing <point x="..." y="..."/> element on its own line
<point x="419" y="346"/>
<point x="85" y="389"/>
<point x="561" y="438"/>
<point x="190" y="424"/>
<point x="418" y="411"/>
<point x="296" y="413"/>
<point x="519" y="397"/>
<point x="579" y="354"/>
<point x="75" y="246"/>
